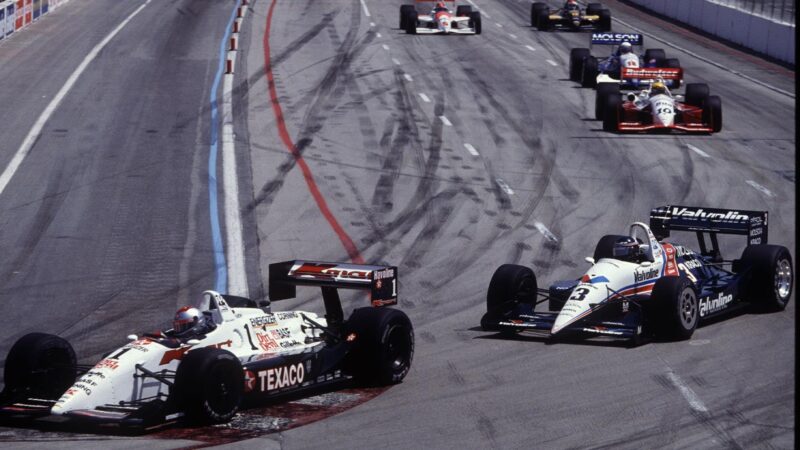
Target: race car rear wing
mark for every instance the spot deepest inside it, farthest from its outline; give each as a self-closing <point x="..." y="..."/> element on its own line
<point x="609" y="38"/>
<point x="651" y="73"/>
<point x="381" y="281"/>
<point x="753" y="224"/>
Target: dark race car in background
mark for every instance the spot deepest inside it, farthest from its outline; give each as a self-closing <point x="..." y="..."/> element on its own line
<point x="594" y="17"/>
<point x="665" y="291"/>
<point x="244" y="354"/>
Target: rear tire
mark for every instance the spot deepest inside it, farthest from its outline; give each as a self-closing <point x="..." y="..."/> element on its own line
<point x="697" y="94"/>
<point x="404" y="10"/>
<point x="475" y="20"/>
<point x="654" y="57"/>
<point x="677" y="307"/>
<point x="576" y="57"/>
<point x="208" y="385"/>
<point x="604" y="91"/>
<point x="612" y="113"/>
<point x="672" y="63"/>
<point x="463" y="10"/>
<point x="510" y="284"/>
<point x="712" y="113"/>
<point x="538" y="8"/>
<point x="543" y="21"/>
<point x="771" y="278"/>
<point x="39" y="365"/>
<point x="593" y="9"/>
<point x="384" y="345"/>
<point x="604" y="24"/>
<point x="589" y="73"/>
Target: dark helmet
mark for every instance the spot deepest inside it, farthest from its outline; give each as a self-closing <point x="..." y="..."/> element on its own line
<point x="627" y="249"/>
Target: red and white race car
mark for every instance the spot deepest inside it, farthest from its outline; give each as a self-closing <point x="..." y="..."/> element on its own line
<point x="656" y="109"/>
<point x="440" y="19"/>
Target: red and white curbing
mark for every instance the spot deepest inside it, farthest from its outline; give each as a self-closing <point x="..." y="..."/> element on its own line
<point x="230" y="62"/>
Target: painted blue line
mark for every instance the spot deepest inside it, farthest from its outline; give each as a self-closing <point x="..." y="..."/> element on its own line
<point x="220" y="265"/>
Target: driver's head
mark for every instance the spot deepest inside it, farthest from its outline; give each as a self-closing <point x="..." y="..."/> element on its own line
<point x="627" y="249"/>
<point x="440" y="7"/>
<point x="187" y="318"/>
<point x="570" y="5"/>
<point x="658" y="87"/>
<point x="625" y="47"/>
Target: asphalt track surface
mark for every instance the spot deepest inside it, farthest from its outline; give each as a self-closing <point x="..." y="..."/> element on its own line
<point x="446" y="156"/>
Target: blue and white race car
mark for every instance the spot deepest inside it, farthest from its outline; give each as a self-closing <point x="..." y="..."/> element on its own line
<point x="639" y="285"/>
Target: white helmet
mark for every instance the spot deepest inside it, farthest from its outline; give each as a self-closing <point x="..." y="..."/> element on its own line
<point x="625" y="47"/>
<point x="187" y="318"/>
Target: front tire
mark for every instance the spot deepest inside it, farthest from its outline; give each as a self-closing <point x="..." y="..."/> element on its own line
<point x="654" y="57"/>
<point x="404" y="10"/>
<point x="712" y="113"/>
<point x="612" y="113"/>
<point x="463" y="10"/>
<point x="209" y="384"/>
<point x="576" y="57"/>
<point x="41" y="365"/>
<point x="511" y="284"/>
<point x="589" y="74"/>
<point x="475" y="19"/>
<point x="538" y="8"/>
<point x="771" y="279"/>
<point x="384" y="345"/>
<point x="411" y="22"/>
<point x="677" y="306"/>
<point x="604" y="92"/>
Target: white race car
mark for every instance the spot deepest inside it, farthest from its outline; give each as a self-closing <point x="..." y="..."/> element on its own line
<point x="220" y="353"/>
<point x="440" y="19"/>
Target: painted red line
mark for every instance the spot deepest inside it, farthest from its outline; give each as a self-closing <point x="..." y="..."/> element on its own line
<point x="351" y="248"/>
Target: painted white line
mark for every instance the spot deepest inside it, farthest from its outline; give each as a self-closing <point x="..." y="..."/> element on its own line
<point x="513" y="36"/>
<point x="713" y="63"/>
<point x="33" y="134"/>
<point x="698" y="151"/>
<point x="551" y="62"/>
<point x="372" y="24"/>
<point x="499" y="24"/>
<point x="424" y="98"/>
<point x="504" y="186"/>
<point x="395" y="61"/>
<point x="237" y="276"/>
<point x="530" y="48"/>
<point x="760" y="188"/>
<point x="472" y="150"/>
<point x="445" y="121"/>
<point x="379" y="35"/>
<point x="385" y="47"/>
<point x="408" y="77"/>
<point x="366" y="11"/>
<point x="694" y="401"/>
<point x="484" y="14"/>
<point x="471" y="3"/>
<point x="545" y="232"/>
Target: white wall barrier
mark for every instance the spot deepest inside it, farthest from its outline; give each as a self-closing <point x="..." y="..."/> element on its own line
<point x="754" y="32"/>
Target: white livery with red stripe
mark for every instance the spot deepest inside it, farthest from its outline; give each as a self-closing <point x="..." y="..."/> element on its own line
<point x="440" y="19"/>
<point x="639" y="285"/>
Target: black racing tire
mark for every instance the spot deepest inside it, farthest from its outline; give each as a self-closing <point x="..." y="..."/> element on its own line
<point x="543" y="21"/>
<point x="677" y="308"/>
<point x="404" y="10"/>
<point x="576" y="57"/>
<point x="604" y="24"/>
<point x="604" y="92"/>
<point x="383" y="348"/>
<point x="209" y="385"/>
<point x="511" y="284"/>
<point x="697" y="94"/>
<point x="671" y="63"/>
<point x="657" y="54"/>
<point x="475" y="21"/>
<point x="593" y="9"/>
<point x="40" y="365"/>
<point x="712" y="113"/>
<point x="605" y="246"/>
<point x="770" y="276"/>
<point x="411" y="22"/>
<point x="538" y="8"/>
<point x="463" y="10"/>
<point x="589" y="72"/>
<point x="612" y="114"/>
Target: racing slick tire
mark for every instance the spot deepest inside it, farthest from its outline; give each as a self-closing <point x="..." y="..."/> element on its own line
<point x="411" y="22"/>
<point x="605" y="246"/>
<point x="383" y="348"/>
<point x="510" y="284"/>
<point x="589" y="72"/>
<point x="657" y="54"/>
<point x="576" y="57"/>
<point x="404" y="10"/>
<point x="612" y="113"/>
<point x="771" y="278"/>
<point x="537" y="8"/>
<point x="671" y="63"/>
<point x="593" y="9"/>
<point x="39" y="365"/>
<point x="604" y="92"/>
<point x="463" y="10"/>
<point x="677" y="308"/>
<point x="697" y="94"/>
<point x="604" y="24"/>
<point x="209" y="385"/>
<point x="475" y="21"/>
<point x="712" y="113"/>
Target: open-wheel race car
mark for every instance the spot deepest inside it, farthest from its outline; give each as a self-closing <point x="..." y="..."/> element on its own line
<point x="571" y="17"/>
<point x="591" y="71"/>
<point x="656" y="109"/>
<point x="223" y="354"/>
<point x="640" y="286"/>
<point x="439" y="19"/>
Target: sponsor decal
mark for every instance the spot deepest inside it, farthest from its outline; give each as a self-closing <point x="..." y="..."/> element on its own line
<point x="692" y="264"/>
<point x="385" y="273"/>
<point x="670" y="268"/>
<point x="710" y="305"/>
<point x="592" y="279"/>
<point x="177" y="354"/>
<point x="644" y="275"/>
<point x="266" y="342"/>
<point x="107" y="364"/>
<point x="289" y="344"/>
<point x="286" y="315"/>
<point x="727" y="216"/>
<point x="82" y="387"/>
<point x="263" y="321"/>
<point x="651" y="73"/>
<point x="249" y="381"/>
<point x="94" y="373"/>
<point x="756" y="232"/>
<point x="281" y="333"/>
<point x="329" y="271"/>
<point x="682" y="251"/>
<point x="281" y="377"/>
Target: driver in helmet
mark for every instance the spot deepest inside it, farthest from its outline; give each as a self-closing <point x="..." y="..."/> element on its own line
<point x="571" y="5"/>
<point x="190" y="322"/>
<point x="658" y="87"/>
<point x="439" y="7"/>
<point x="628" y="249"/>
